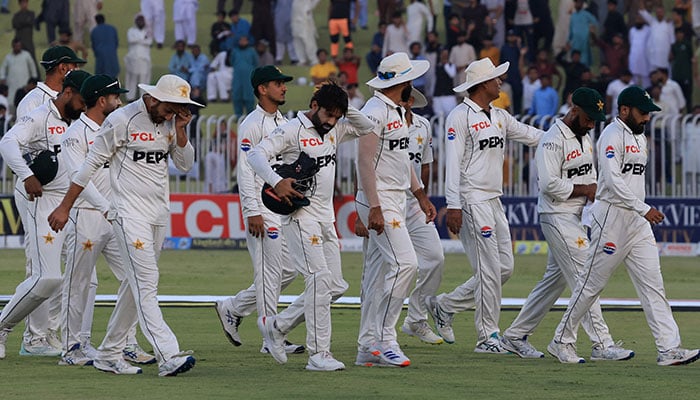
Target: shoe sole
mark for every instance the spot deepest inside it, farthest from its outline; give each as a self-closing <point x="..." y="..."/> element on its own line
<point x="312" y="368"/>
<point x="296" y="350"/>
<point x="70" y="364"/>
<point x="186" y="366"/>
<point x="25" y="353"/>
<point x="629" y="357"/>
<point x="411" y="333"/>
<point x="228" y="335"/>
<point x="109" y="371"/>
<point x="684" y="362"/>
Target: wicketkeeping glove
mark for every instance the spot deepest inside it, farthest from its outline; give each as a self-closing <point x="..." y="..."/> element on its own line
<point x="303" y="170"/>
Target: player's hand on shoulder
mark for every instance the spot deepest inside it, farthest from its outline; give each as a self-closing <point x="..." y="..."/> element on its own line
<point x="256" y="225"/>
<point x="654" y="216"/>
<point x="33" y="187"/>
<point x="454" y="220"/>
<point x="375" y="220"/>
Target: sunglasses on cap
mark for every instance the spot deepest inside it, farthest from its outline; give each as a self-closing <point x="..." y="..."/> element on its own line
<point x="385" y="76"/>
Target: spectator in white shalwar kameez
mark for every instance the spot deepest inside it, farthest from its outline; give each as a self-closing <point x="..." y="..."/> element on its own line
<point x="138" y="58"/>
<point x="639" y="66"/>
<point x="154" y="13"/>
<point x="185" y="18"/>
<point x="304" y="31"/>
<point x="661" y="37"/>
<point x="219" y="79"/>
<point x="419" y="20"/>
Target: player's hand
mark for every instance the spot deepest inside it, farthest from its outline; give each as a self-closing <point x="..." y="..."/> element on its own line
<point x="360" y="228"/>
<point x="590" y="190"/>
<point x="33" y="187"/>
<point x="428" y="208"/>
<point x="654" y="216"/>
<point x="285" y="191"/>
<point x="454" y="220"/>
<point x="375" y="220"/>
<point x="256" y="225"/>
<point x="58" y="218"/>
<point x="183" y="116"/>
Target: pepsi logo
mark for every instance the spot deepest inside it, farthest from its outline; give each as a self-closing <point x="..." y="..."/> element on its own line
<point x="486" y="231"/>
<point x="451" y="134"/>
<point x="245" y="144"/>
<point x="273" y="232"/>
<point x="609" y="248"/>
<point x="609" y="152"/>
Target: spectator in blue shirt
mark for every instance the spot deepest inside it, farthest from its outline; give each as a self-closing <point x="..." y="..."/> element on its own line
<point x="181" y="62"/>
<point x="105" y="42"/>
<point x="545" y="102"/>
<point x="199" y="68"/>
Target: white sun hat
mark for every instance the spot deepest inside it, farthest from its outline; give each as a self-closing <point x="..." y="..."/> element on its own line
<point x="481" y="71"/>
<point x="398" y="68"/>
<point x="419" y="100"/>
<point x="170" y="89"/>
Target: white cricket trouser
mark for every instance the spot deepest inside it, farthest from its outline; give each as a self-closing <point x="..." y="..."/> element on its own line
<point x="317" y="258"/>
<point x="44" y="247"/>
<point x="154" y="13"/>
<point x="486" y="239"/>
<point x="619" y="235"/>
<point x="386" y="284"/>
<point x="88" y="235"/>
<point x="568" y="249"/>
<point x="219" y="84"/>
<point x="140" y="244"/>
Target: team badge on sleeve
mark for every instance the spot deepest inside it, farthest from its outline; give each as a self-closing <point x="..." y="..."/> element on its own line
<point x="273" y="232"/>
<point x="245" y="144"/>
<point x="486" y="231"/>
<point x="609" y="152"/>
<point x="451" y="134"/>
<point x="609" y="248"/>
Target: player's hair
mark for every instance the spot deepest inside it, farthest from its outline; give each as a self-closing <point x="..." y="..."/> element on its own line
<point x="90" y="102"/>
<point x="331" y="97"/>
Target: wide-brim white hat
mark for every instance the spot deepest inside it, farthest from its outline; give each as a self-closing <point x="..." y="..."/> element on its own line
<point x="397" y="68"/>
<point x="170" y="89"/>
<point x="481" y="71"/>
<point x="419" y="100"/>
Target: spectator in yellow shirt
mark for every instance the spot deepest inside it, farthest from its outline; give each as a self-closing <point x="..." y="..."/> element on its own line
<point x="325" y="68"/>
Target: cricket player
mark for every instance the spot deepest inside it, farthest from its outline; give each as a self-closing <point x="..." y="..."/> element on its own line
<point x="88" y="234"/>
<point x="385" y="174"/>
<point x="266" y="243"/>
<point x="567" y="180"/>
<point x="621" y="232"/>
<point x="57" y="62"/>
<point x="137" y="140"/>
<point x="474" y="153"/>
<point x="310" y="230"/>
<point x="40" y="130"/>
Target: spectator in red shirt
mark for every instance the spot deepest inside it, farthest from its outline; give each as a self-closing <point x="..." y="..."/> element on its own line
<point x="350" y="64"/>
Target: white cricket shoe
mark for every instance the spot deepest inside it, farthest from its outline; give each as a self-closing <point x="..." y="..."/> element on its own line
<point x="274" y="339"/>
<point x="119" y="367"/>
<point x="75" y="356"/>
<point x="422" y="331"/>
<point x="87" y="347"/>
<point x="289" y="348"/>
<point x="390" y="353"/>
<point x="324" y="361"/>
<point x="135" y="354"/>
<point x="614" y="352"/>
<point x="520" y="347"/>
<point x="365" y="358"/>
<point x="3" y="340"/>
<point x="677" y="356"/>
<point x="492" y="345"/>
<point x="229" y="322"/>
<point x="177" y="364"/>
<point x="443" y="320"/>
<point x="54" y="339"/>
<point x="564" y="352"/>
<point x="38" y="347"/>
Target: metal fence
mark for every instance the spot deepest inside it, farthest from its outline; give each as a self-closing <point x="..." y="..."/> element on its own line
<point x="673" y="169"/>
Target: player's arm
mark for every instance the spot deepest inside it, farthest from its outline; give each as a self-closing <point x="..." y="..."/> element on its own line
<point x="182" y="151"/>
<point x="10" y="145"/>
<point x="516" y="130"/>
<point x="456" y="134"/>
<point x="73" y="153"/>
<point x="425" y="204"/>
<point x="249" y="135"/>
<point x="367" y="148"/>
<point x="427" y="156"/>
<point x="610" y="169"/>
<point x="354" y="125"/>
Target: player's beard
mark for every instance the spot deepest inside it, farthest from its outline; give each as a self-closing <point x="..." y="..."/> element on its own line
<point x="72" y="113"/>
<point x="635" y="127"/>
<point x="576" y="127"/>
<point x="406" y="93"/>
<point x="320" y="127"/>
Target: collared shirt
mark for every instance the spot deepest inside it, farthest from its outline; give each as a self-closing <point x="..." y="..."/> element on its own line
<point x="391" y="164"/>
<point x="298" y="135"/>
<point x="137" y="151"/>
<point x="475" y="151"/>
<point x="562" y="162"/>
<point x="622" y="160"/>
<point x="76" y="142"/>
<point x="255" y="127"/>
<point x="36" y="97"/>
<point x="42" y="129"/>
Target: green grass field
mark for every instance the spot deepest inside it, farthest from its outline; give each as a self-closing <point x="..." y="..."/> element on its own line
<point x="438" y="372"/>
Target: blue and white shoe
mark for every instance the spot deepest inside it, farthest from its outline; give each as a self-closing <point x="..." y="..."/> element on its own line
<point x="177" y="364"/>
<point x="390" y="353"/>
<point x="118" y="367"/>
<point x="492" y="345"/>
<point x="75" y="356"/>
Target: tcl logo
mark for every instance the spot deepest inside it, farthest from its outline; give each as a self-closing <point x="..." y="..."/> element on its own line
<point x="142" y="136"/>
<point x="480" y="125"/>
<point x="394" y="125"/>
<point x="573" y="155"/>
<point x="631" y="149"/>
<point x="493" y="141"/>
<point x="311" y="142"/>
<point x="151" y="157"/>
<point x="402" y="143"/>
<point x="57" y="130"/>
